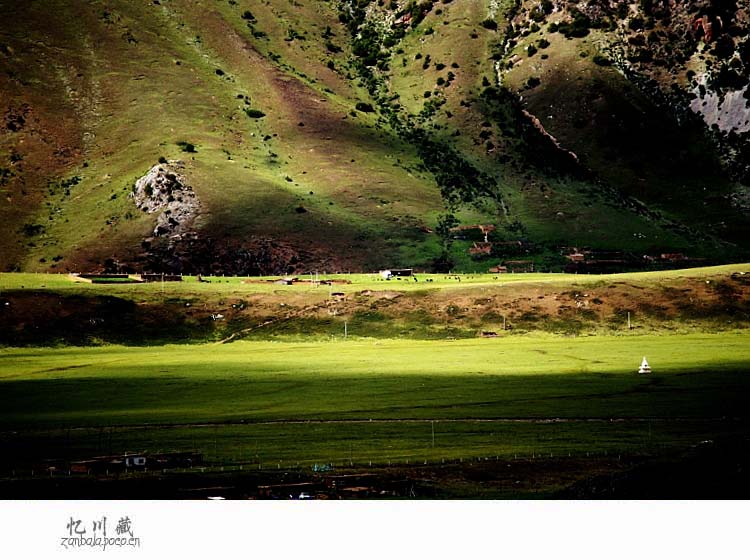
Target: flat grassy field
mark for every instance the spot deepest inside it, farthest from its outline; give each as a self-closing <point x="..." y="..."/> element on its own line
<point x="376" y="400"/>
<point x="356" y="282"/>
<point x="57" y="311"/>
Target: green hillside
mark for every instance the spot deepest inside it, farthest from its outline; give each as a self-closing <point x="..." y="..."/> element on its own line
<point x="353" y="135"/>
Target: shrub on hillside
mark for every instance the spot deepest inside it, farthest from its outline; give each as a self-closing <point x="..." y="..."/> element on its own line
<point x="577" y="27"/>
<point x="635" y="23"/>
<point x="532" y="82"/>
<point x="187" y="147"/>
<point x="537" y="14"/>
<point x="333" y="48"/>
<point x="364" y="107"/>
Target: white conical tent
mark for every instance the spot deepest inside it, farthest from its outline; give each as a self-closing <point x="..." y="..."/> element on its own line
<point x="645" y="368"/>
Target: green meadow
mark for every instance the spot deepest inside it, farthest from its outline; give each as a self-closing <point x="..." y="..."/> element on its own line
<point x="379" y="401"/>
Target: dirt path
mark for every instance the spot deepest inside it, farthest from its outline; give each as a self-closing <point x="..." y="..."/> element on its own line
<point x="274" y="321"/>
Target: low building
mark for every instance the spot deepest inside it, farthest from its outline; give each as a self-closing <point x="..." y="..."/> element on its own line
<point x="481" y="248"/>
<point x="520" y="266"/>
<point x="396" y="272"/>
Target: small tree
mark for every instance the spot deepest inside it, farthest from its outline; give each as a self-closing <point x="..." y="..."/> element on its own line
<point x="444" y="225"/>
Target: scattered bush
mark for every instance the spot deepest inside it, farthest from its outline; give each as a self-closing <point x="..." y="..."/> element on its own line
<point x="254" y="113"/>
<point x="418" y="12"/>
<point x="577" y="27"/>
<point x="364" y="107"/>
<point x="537" y="14"/>
<point x="292" y="34"/>
<point x="30" y="230"/>
<point x="635" y="23"/>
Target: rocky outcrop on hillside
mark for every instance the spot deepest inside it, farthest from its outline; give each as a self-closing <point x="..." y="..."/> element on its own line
<point x="165" y="191"/>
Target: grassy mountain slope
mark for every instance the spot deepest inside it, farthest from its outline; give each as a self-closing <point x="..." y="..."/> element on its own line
<point x="337" y="135"/>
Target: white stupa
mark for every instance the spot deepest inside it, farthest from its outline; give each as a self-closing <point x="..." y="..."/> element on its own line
<point x="645" y="368"/>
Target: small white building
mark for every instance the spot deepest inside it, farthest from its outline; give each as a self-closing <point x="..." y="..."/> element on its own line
<point x="645" y="368"/>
